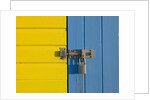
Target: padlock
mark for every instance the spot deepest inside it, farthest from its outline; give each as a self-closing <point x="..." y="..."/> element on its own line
<point x="82" y="66"/>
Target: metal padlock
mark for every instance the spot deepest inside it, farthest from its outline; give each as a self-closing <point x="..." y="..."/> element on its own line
<point x="82" y="66"/>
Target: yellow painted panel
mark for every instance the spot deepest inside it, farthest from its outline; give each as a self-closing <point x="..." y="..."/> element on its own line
<point x="41" y="86"/>
<point x="41" y="36"/>
<point x="39" y="68"/>
<point x="41" y="71"/>
<point x="38" y="54"/>
<point x="40" y="21"/>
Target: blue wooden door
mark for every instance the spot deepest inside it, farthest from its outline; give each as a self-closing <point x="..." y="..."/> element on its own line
<point x="100" y="33"/>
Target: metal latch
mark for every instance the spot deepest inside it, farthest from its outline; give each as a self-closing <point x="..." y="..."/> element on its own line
<point x="81" y="54"/>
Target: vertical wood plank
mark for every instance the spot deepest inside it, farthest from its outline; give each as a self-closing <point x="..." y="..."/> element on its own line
<point x="110" y="33"/>
<point x="93" y="77"/>
<point x="75" y="41"/>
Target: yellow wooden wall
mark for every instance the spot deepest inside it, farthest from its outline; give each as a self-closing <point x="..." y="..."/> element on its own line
<point x="38" y="65"/>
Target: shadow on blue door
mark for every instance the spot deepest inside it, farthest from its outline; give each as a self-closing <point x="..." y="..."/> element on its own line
<point x="73" y="66"/>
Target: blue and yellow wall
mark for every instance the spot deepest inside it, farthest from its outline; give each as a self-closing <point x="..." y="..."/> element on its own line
<point x="38" y="65"/>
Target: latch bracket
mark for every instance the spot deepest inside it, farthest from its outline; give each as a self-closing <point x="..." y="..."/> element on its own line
<point x="81" y="53"/>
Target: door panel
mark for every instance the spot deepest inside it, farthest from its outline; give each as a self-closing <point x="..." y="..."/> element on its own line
<point x="38" y="54"/>
<point x="38" y="65"/>
<point x="38" y="22"/>
<point x="41" y="37"/>
<point x="41" y="71"/>
<point x="100" y="33"/>
<point x="75" y="41"/>
<point x="93" y="40"/>
<point x="41" y="86"/>
<point x="111" y="54"/>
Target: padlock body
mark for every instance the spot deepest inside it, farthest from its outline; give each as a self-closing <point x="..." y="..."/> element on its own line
<point x="82" y="68"/>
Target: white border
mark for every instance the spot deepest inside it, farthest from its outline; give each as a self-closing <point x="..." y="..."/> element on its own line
<point x="141" y="27"/>
<point x="126" y="56"/>
<point x="5" y="4"/>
